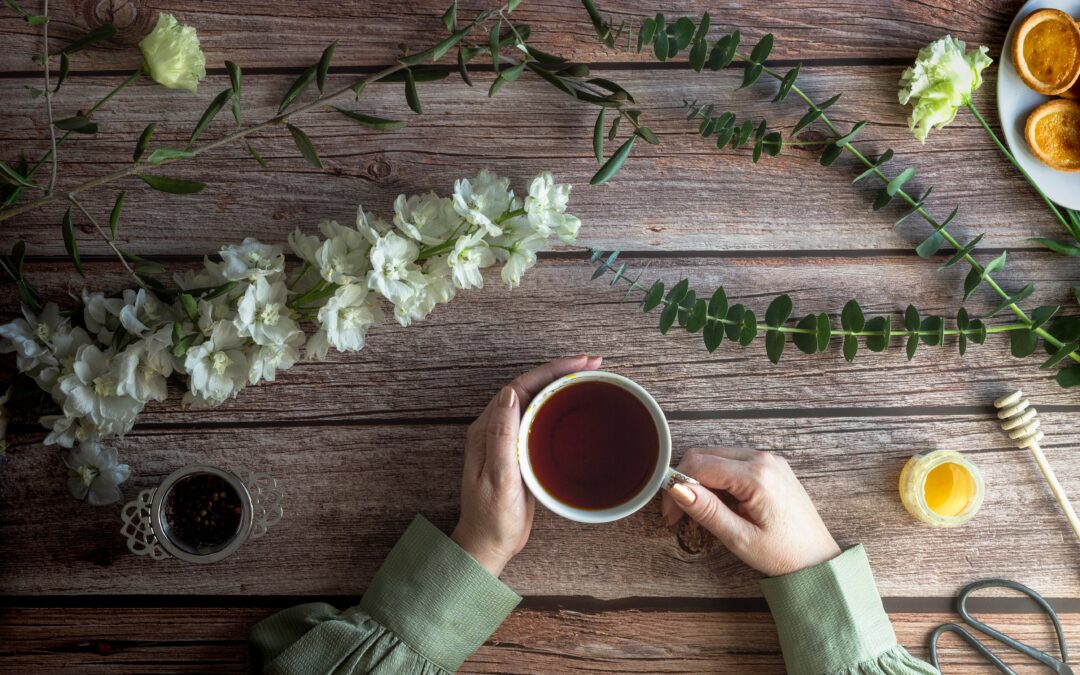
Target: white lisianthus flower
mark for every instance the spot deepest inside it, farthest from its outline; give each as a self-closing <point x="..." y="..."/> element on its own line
<point x="471" y="254"/>
<point x="428" y="218"/>
<point x="520" y="258"/>
<point x="172" y="55"/>
<point x="482" y="200"/>
<point x="251" y="259"/>
<point x="343" y="257"/>
<point x="943" y="78"/>
<point x="218" y="368"/>
<point x="344" y="321"/>
<point x="95" y="475"/>
<point x="91" y="391"/>
<point x="265" y="361"/>
<point x="394" y="272"/>
<point x="262" y="313"/>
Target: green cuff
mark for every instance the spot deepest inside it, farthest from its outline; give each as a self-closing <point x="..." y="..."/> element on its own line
<point x="436" y="597"/>
<point x="829" y="616"/>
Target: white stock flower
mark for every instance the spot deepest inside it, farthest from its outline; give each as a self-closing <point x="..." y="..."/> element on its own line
<point x="144" y="365"/>
<point x="427" y="218"/>
<point x="304" y="245"/>
<point x="471" y="254"/>
<point x="95" y="474"/>
<point x="394" y="272"/>
<point x="251" y="259"/>
<point x="141" y="312"/>
<point x="67" y="431"/>
<point x="172" y="54"/>
<point x="482" y="200"/>
<point x="91" y="391"/>
<point x="546" y="208"/>
<point x="943" y="78"/>
<point x="31" y="338"/>
<point x="101" y="315"/>
<point x="344" y="321"/>
<point x="342" y="257"/>
<point x="218" y="368"/>
<point x="265" y="361"/>
<point x="521" y="257"/>
<point x="262" y="314"/>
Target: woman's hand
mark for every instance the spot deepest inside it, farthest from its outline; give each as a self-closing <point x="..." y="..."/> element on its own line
<point x="496" y="507"/>
<point x="774" y="526"/>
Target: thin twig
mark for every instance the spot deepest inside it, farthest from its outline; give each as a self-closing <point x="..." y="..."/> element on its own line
<point x="48" y="96"/>
<point x="108" y="240"/>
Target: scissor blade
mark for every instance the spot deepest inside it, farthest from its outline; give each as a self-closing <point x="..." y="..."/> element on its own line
<point x="1064" y="669"/>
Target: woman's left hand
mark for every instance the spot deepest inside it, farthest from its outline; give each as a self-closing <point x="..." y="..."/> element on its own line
<point x="496" y="507"/>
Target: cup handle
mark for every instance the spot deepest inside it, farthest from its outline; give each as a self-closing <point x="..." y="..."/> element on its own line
<point x="266" y="496"/>
<point x="673" y="476"/>
<point x="140" y="536"/>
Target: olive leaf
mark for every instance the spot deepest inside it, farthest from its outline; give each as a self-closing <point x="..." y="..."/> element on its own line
<point x="306" y="147"/>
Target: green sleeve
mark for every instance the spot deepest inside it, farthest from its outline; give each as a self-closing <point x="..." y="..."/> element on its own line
<point x="831" y="620"/>
<point x="428" y="608"/>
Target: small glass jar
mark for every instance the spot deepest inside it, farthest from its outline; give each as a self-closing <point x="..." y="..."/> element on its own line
<point x="174" y="519"/>
<point x="942" y="488"/>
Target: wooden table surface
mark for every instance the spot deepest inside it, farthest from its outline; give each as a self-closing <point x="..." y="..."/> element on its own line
<point x="364" y="441"/>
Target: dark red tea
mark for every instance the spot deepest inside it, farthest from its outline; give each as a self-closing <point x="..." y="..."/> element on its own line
<point x="593" y="445"/>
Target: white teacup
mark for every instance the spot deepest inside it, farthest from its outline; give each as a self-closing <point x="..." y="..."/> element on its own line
<point x="663" y="476"/>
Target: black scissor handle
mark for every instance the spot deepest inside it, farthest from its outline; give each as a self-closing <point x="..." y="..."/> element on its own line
<point x="1042" y="657"/>
<point x="971" y="640"/>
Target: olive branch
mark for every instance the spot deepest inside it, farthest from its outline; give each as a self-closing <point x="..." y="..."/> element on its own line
<point x="1060" y="334"/>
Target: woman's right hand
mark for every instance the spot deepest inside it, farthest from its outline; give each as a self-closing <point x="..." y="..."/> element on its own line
<point x="774" y="527"/>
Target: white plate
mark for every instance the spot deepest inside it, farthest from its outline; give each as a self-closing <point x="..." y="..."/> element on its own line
<point x="1016" y="101"/>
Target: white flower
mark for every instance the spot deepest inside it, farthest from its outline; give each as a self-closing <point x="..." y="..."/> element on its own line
<point x="546" y="208"/>
<point x="520" y="258"/>
<point x="67" y="431"/>
<point x="394" y="272"/>
<point x="943" y="78"/>
<point x="144" y="365"/>
<point x="101" y="315"/>
<point x="428" y="218"/>
<point x="263" y="315"/>
<point x="91" y="391"/>
<point x="343" y="257"/>
<point x="94" y="473"/>
<point x="304" y="245"/>
<point x="218" y="368"/>
<point x="32" y="338"/>
<point x="210" y="276"/>
<point x="172" y="54"/>
<point x="471" y="253"/>
<point x="344" y="320"/>
<point x="265" y="361"/>
<point x="251" y="259"/>
<point x="141" y="311"/>
<point x="483" y="200"/>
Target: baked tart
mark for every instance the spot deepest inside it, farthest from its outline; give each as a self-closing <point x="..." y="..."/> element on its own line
<point x="1046" y="51"/>
<point x="1073" y="92"/>
<point x="1053" y="132"/>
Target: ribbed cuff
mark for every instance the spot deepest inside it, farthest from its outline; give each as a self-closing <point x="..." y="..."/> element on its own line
<point x="829" y="616"/>
<point x="436" y="597"/>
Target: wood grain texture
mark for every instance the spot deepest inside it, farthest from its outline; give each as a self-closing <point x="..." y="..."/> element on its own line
<point x="351" y="490"/>
<point x="683" y="195"/>
<point x="530" y="641"/>
<point x="483" y="339"/>
<point x="276" y="35"/>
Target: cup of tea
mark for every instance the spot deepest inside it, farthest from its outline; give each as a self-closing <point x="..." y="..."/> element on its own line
<point x="595" y="447"/>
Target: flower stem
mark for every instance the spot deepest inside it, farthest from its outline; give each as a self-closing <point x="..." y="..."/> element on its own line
<point x="48" y="98"/>
<point x="108" y="240"/>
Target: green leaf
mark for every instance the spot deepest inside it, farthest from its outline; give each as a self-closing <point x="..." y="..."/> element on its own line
<point x="774" y="345"/>
<point x="439" y="50"/>
<point x="806" y="120"/>
<point x="211" y="112"/>
<point x="979" y="335"/>
<point x="962" y="343"/>
<point x="962" y="253"/>
<point x="645" y="35"/>
<point x="77" y="123"/>
<point x="614" y="163"/>
<point x="180" y="348"/>
<point x="463" y="69"/>
<point x="1019" y="296"/>
<point x="598" y="137"/>
<point x="255" y="154"/>
<point x="698" y="55"/>
<point x="1062" y="352"/>
<point x="13" y="176"/>
<point x="114" y="216"/>
<point x="718" y="304"/>
<point x="885" y="156"/>
<point x="919" y="204"/>
<point x="685" y="305"/>
<point x="806" y="342"/>
<point x="668" y="316"/>
<point x="307" y="148"/>
<point x="324" y="66"/>
<point x="713" y="335"/>
<point x="449" y="17"/>
<point x="762" y="49"/>
<point x="65" y="68"/>
<point x="1042" y="314"/>
<point x="751" y="73"/>
<point x="70" y="244"/>
<point x="779" y="310"/>
<point x="411" y="95"/>
<point x="174" y="186"/>
<point x="1068" y="377"/>
<point x="934" y="329"/>
<point x="851" y="318"/>
<point x="971" y="282"/>
<point x="299" y="85"/>
<point x="683" y="32"/>
<point x="103" y="32"/>
<point x="912" y="346"/>
<point x="647" y="134"/>
<point x="846" y="139"/>
<point x="772" y="143"/>
<point x="723" y="53"/>
<point x="143" y="142"/>
<point x="851" y="347"/>
<point x="1056" y="246"/>
<point x="911" y="318"/>
<point x="996" y="264"/>
<point x="37" y="20"/>
<point x="735" y="316"/>
<point x="190" y="306"/>
<point x="830" y="154"/>
<point x="930" y="246"/>
<point x="599" y="25"/>
<point x="371" y="121"/>
<point x="882" y="199"/>
<point x="698" y="317"/>
<point x="749" y="328"/>
<point x="878" y="324"/>
<point x="787" y="83"/>
<point x="962" y="319"/>
<point x="897" y="183"/>
<point x="678" y="291"/>
<point x="654" y="297"/>
<point x="234" y="82"/>
<point x="161" y="155"/>
<point x="1022" y="343"/>
<point x="824" y="331"/>
<point x="703" y="28"/>
<point x="660" y="39"/>
<point x="743" y="134"/>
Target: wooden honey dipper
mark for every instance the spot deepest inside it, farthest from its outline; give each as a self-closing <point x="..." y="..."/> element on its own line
<point x="1021" y="422"/>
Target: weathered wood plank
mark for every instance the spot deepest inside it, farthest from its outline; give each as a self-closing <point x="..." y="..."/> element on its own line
<point x="683" y="195"/>
<point x="530" y="641"/>
<point x="272" y="35"/>
<point x="351" y="490"/>
<point x="485" y="338"/>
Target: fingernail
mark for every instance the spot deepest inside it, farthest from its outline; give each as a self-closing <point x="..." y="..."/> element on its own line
<point x="507" y="397"/>
<point x="683" y="495"/>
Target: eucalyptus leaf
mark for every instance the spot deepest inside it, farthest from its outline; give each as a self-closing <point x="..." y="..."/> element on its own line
<point x="912" y="346"/>
<point x="882" y="325"/>
<point x="668" y="316"/>
<point x="851" y="318"/>
<point x="698" y="317"/>
<point x="1062" y="353"/>
<point x="718" y="304"/>
<point x="653" y="297"/>
<point x="971" y="282"/>
<point x="1040" y="315"/>
<point x="933" y="329"/>
<point x="1017" y="297"/>
<point x="749" y="328"/>
<point x="911" y="318"/>
<point x="1068" y="377"/>
<point x="1057" y="246"/>
<point x="885" y="156"/>
<point x="806" y="342"/>
<point x="851" y="347"/>
<point x="1022" y="343"/>
<point x="713" y="335"/>
<point x="824" y="331"/>
<point x="774" y="345"/>
<point x="964" y="251"/>
<point x="778" y="311"/>
<point x="735" y="316"/>
<point x="846" y="139"/>
<point x="897" y="183"/>
<point x="787" y="83"/>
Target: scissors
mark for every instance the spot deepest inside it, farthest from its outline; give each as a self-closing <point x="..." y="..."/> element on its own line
<point x="1059" y="666"/>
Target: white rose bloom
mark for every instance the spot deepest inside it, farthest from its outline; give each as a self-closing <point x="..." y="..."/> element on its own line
<point x="343" y="257"/>
<point x="218" y="368"/>
<point x="394" y="272"/>
<point x="172" y="54"/>
<point x="251" y="259"/>
<point x="428" y="218"/>
<point x="95" y="474"/>
<point x="344" y="321"/>
<point x="482" y="200"/>
<point x="91" y="391"/>
<point x="521" y="257"/>
<point x="265" y="361"/>
<point x="471" y="253"/>
<point x="263" y="315"/>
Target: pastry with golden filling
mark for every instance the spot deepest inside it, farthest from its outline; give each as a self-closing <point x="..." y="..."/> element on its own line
<point x="1053" y="132"/>
<point x="1046" y="51"/>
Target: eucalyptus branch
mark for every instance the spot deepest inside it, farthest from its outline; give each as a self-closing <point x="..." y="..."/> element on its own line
<point x="108" y="240"/>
